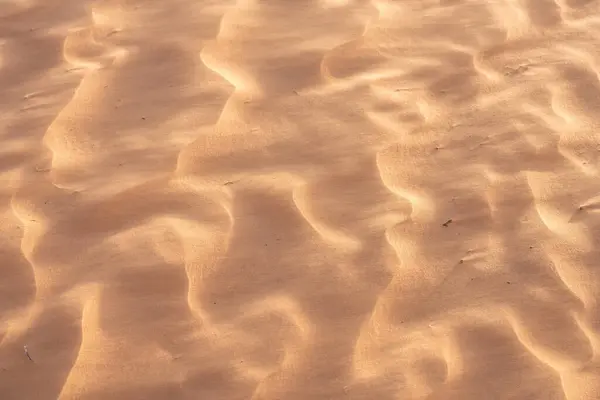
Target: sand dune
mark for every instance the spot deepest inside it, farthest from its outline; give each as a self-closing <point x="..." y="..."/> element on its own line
<point x="311" y="199"/>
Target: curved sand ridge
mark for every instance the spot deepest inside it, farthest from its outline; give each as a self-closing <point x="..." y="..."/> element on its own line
<point x="309" y="199"/>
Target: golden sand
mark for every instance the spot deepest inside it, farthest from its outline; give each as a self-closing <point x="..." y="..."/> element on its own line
<point x="299" y="199"/>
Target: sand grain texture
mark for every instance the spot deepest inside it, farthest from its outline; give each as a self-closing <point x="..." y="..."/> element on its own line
<point x="310" y="199"/>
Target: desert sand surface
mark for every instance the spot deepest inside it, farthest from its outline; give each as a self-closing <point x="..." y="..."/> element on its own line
<point x="300" y="199"/>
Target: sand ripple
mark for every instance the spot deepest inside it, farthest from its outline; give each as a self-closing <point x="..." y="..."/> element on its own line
<point x="311" y="199"/>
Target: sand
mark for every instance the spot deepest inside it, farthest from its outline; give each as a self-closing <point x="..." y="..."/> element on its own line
<point x="299" y="199"/>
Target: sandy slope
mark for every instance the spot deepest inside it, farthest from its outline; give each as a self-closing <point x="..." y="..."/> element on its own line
<point x="300" y="199"/>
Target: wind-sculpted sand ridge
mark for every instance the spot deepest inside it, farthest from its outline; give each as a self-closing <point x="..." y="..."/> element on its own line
<point x="320" y="199"/>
